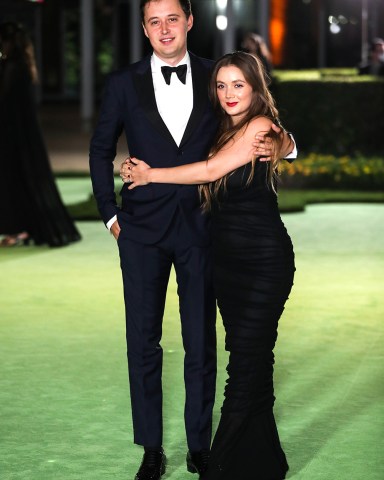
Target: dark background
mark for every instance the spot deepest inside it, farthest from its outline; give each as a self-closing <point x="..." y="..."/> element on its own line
<point x="55" y="28"/>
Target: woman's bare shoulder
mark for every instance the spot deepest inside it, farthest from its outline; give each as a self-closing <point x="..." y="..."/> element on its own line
<point x="260" y="125"/>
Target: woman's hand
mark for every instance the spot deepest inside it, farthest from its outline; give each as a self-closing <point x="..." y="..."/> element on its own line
<point x="125" y="170"/>
<point x="135" y="172"/>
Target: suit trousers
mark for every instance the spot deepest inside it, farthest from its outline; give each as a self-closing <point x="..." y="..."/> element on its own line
<point x="145" y="270"/>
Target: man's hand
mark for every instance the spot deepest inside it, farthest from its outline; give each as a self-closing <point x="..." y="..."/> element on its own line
<point x="263" y="144"/>
<point x="115" y="229"/>
<point x="262" y="147"/>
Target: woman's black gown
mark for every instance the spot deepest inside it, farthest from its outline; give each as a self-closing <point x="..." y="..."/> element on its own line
<point x="29" y="198"/>
<point x="253" y="274"/>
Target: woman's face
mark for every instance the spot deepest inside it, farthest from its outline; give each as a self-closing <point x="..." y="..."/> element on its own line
<point x="234" y="92"/>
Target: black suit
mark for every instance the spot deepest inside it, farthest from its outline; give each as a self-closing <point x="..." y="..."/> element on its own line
<point x="161" y="225"/>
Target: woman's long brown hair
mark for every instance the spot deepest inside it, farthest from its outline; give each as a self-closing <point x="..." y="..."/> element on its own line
<point x="16" y="43"/>
<point x="262" y="104"/>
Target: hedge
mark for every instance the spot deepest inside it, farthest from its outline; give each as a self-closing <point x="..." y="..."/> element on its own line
<point x="328" y="171"/>
<point x="332" y="113"/>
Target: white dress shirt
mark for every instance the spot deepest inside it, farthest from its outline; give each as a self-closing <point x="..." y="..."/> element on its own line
<point x="174" y="101"/>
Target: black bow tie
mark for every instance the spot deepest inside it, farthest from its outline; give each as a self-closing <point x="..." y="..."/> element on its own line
<point x="181" y="72"/>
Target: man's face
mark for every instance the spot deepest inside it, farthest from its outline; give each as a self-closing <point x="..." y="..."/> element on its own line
<point x="166" y="27"/>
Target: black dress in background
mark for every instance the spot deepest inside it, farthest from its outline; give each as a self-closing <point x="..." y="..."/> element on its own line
<point x="29" y="198"/>
<point x="254" y="270"/>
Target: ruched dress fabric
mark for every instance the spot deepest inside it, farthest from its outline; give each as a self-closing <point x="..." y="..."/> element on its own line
<point x="253" y="276"/>
<point x="29" y="198"/>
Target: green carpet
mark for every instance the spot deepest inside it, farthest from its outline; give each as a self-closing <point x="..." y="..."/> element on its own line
<point x="82" y="205"/>
<point x="64" y="396"/>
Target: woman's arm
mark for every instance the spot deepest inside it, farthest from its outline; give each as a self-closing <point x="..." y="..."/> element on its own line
<point x="234" y="155"/>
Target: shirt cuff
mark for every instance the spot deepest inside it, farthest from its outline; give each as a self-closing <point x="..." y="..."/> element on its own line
<point x="293" y="154"/>
<point x="113" y="220"/>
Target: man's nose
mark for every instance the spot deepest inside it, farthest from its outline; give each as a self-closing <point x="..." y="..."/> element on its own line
<point x="164" y="27"/>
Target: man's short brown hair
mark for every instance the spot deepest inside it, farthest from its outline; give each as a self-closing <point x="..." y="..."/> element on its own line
<point x="184" y="4"/>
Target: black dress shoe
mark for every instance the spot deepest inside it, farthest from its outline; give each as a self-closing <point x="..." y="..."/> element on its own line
<point x="197" y="462"/>
<point x="152" y="466"/>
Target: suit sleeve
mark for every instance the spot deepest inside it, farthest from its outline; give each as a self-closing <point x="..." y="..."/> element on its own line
<point x="103" y="150"/>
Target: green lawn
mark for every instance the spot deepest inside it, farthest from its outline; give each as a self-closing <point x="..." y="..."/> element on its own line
<point x="77" y="192"/>
<point x="63" y="377"/>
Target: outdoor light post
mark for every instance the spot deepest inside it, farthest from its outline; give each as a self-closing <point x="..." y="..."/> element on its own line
<point x="229" y="33"/>
<point x="322" y="35"/>
<point x="364" y="31"/>
<point x="263" y="15"/>
<point x="135" y="31"/>
<point x="225" y="23"/>
<point x="87" y="62"/>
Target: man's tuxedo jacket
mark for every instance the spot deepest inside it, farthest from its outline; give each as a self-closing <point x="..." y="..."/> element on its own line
<point x="129" y="105"/>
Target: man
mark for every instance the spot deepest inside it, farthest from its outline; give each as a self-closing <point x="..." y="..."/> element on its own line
<point x="167" y="120"/>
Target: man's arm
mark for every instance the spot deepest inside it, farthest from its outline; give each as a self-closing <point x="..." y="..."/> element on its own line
<point x="102" y="154"/>
<point x="291" y="150"/>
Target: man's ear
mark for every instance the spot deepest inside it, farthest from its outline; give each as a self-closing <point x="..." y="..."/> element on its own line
<point x="189" y="22"/>
<point x="145" y="30"/>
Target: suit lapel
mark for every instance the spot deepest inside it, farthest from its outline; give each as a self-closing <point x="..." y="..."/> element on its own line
<point x="143" y="82"/>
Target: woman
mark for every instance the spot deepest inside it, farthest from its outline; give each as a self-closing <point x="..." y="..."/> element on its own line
<point x="255" y="44"/>
<point x="253" y="264"/>
<point x="31" y="207"/>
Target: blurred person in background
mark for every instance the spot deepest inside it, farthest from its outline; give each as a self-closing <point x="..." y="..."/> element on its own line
<point x="375" y="64"/>
<point x="30" y="205"/>
<point x="255" y="44"/>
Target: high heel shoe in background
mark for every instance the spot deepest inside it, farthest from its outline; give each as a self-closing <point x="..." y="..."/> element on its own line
<point x="22" y="238"/>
